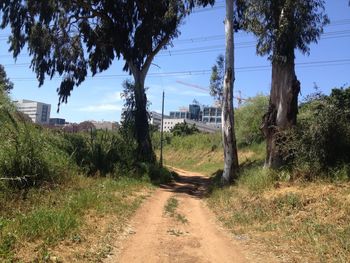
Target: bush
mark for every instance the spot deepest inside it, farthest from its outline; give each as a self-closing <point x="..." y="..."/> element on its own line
<point x="102" y="152"/>
<point x="321" y="140"/>
<point x="248" y="119"/>
<point x="183" y="129"/>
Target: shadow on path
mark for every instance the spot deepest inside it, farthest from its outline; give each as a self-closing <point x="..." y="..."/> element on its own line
<point x="193" y="185"/>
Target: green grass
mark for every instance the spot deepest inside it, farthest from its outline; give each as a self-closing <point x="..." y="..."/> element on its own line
<point x="61" y="214"/>
<point x="170" y="209"/>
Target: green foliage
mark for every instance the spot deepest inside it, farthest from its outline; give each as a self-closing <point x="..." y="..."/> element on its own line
<point x="248" y="120"/>
<point x="183" y="129"/>
<point x="322" y="138"/>
<point x="217" y="79"/>
<point x="282" y="26"/>
<point x="5" y="82"/>
<point x="100" y="152"/>
<point x="202" y="141"/>
<point x="47" y="216"/>
<point x="29" y="155"/>
<point x="70" y="37"/>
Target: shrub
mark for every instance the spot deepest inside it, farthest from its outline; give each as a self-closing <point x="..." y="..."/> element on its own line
<point x="248" y="120"/>
<point x="102" y="152"/>
<point x="183" y="129"/>
<point x="321" y="140"/>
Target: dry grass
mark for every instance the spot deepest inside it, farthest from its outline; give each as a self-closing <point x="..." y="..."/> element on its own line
<point x="296" y="222"/>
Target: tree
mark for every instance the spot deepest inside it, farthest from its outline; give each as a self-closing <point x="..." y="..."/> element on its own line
<point x="71" y="37"/>
<point x="228" y="124"/>
<point x="221" y="88"/>
<point x="281" y="26"/>
<point x="183" y="129"/>
<point x="217" y="79"/>
<point x="5" y="82"/>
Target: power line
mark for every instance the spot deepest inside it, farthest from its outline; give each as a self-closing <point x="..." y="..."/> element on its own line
<point x="203" y="49"/>
<point x="310" y="64"/>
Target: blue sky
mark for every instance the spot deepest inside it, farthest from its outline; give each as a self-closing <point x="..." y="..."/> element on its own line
<point x="191" y="58"/>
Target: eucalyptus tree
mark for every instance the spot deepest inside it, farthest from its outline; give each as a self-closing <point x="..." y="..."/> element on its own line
<point x="5" y="83"/>
<point x="221" y="88"/>
<point x="281" y="27"/>
<point x="72" y="37"/>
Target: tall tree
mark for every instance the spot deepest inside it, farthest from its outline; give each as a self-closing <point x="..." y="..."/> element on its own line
<point x="228" y="131"/>
<point x="281" y="27"/>
<point x="70" y="37"/>
<point x="221" y="88"/>
<point x="5" y="82"/>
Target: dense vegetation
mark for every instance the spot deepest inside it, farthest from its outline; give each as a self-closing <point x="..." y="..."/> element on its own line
<point x="299" y="212"/>
<point x="51" y="181"/>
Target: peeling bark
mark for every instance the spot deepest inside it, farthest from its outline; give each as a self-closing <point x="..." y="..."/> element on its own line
<point x="228" y="132"/>
<point x="282" y="111"/>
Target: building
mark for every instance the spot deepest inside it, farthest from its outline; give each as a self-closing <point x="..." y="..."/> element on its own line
<point x="57" y="122"/>
<point x="180" y="115"/>
<point x="105" y="125"/>
<point x="195" y="112"/>
<point x="156" y="119"/>
<point x="38" y="112"/>
<point x="170" y="123"/>
<point x="212" y="115"/>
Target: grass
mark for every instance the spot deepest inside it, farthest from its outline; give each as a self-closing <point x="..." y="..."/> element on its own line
<point x="170" y="209"/>
<point x="47" y="217"/>
<point x="277" y="212"/>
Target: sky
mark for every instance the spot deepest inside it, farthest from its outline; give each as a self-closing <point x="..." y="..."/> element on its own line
<point x="189" y="61"/>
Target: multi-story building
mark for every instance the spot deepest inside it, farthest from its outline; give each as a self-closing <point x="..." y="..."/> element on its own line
<point x="57" y="122"/>
<point x="212" y="115"/>
<point x="38" y="112"/>
<point x="195" y="112"/>
<point x="170" y="123"/>
<point x="180" y="115"/>
<point x="105" y="125"/>
<point x="156" y="119"/>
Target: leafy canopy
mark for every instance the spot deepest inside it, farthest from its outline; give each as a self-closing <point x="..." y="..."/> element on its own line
<point x="217" y="79"/>
<point x="183" y="129"/>
<point x="74" y="36"/>
<point x="5" y="83"/>
<point x="284" y="25"/>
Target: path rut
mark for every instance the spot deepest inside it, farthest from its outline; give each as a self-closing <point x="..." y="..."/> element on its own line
<point x="158" y="237"/>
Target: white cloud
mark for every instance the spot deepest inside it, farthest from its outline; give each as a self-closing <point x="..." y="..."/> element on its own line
<point x="101" y="108"/>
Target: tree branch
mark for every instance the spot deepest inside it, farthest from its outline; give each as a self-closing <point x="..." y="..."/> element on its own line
<point x="151" y="56"/>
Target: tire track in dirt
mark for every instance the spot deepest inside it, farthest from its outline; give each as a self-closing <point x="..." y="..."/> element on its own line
<point x="157" y="237"/>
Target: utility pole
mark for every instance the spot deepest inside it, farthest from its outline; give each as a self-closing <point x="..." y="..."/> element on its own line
<point x="161" y="134"/>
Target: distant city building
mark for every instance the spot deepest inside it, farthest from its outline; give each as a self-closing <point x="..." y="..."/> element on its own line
<point x="195" y="112"/>
<point x="169" y="124"/>
<point x="179" y="114"/>
<point x="156" y="119"/>
<point x="212" y="115"/>
<point x="57" y="121"/>
<point x="105" y="125"/>
<point x="38" y="112"/>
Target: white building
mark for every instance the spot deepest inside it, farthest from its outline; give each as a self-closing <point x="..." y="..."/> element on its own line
<point x="105" y="125"/>
<point x="168" y="124"/>
<point x="38" y="112"/>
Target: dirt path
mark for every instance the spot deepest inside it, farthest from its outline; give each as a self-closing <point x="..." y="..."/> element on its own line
<point x="189" y="234"/>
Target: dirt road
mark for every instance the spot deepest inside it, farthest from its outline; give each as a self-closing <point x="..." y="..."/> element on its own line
<point x="164" y="230"/>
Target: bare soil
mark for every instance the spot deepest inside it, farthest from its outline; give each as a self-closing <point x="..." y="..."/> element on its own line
<point x="154" y="236"/>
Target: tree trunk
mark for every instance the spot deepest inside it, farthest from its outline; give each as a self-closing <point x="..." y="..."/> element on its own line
<point x="144" y="145"/>
<point x="282" y="111"/>
<point x="228" y="132"/>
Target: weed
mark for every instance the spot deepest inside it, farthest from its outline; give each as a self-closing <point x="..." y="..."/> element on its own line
<point x="170" y="209"/>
